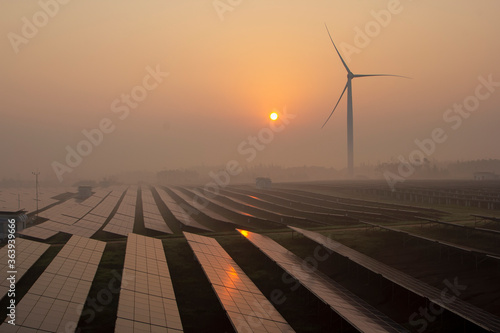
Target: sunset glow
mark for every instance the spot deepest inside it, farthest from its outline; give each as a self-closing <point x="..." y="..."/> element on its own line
<point x="186" y="95"/>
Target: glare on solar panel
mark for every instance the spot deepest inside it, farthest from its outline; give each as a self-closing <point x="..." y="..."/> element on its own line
<point x="248" y="309"/>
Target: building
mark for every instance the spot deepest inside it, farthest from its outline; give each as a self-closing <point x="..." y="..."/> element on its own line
<point x="84" y="192"/>
<point x="482" y="175"/>
<point x="262" y="182"/>
<point x="19" y="216"/>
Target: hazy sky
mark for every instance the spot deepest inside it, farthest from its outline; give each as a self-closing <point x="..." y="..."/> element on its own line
<point x="231" y="63"/>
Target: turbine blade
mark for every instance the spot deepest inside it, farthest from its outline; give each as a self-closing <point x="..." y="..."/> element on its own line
<point x="336" y="105"/>
<point x="343" y="62"/>
<point x="366" y="75"/>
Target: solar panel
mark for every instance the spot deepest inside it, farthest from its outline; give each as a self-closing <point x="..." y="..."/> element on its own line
<point x="55" y="301"/>
<point x="147" y="303"/>
<point x="459" y="307"/>
<point x="269" y="214"/>
<point x="456" y="225"/>
<point x="14" y="199"/>
<point x="120" y="224"/>
<point x="179" y="213"/>
<point x="220" y="204"/>
<point x="354" y="310"/>
<point x="85" y="226"/>
<point x="75" y="218"/>
<point x="27" y="253"/>
<point x="152" y="216"/>
<point x="38" y="231"/>
<point x="247" y="308"/>
<point x="462" y="248"/>
<point x="106" y="206"/>
<point x="309" y="209"/>
<point x="66" y="212"/>
<point x="123" y="221"/>
<point x="202" y="208"/>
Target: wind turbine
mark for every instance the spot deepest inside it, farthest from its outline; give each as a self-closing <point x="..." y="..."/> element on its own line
<point x="348" y="87"/>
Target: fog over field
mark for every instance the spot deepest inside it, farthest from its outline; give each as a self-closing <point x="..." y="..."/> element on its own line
<point x="92" y="90"/>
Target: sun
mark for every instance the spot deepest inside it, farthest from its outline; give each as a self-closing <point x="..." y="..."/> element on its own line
<point x="273" y="116"/>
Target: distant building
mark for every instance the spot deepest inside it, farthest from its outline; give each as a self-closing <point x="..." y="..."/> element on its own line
<point x="19" y="216"/>
<point x="262" y="182"/>
<point x="485" y="176"/>
<point x="84" y="192"/>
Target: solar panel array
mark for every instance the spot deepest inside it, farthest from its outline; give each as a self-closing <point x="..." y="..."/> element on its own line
<point x="199" y="193"/>
<point x="353" y="207"/>
<point x="105" y="208"/>
<point x="247" y="308"/>
<point x="55" y="301"/>
<point x="179" y="213"/>
<point x="354" y="310"/>
<point x="147" y="300"/>
<point x="310" y="210"/>
<point x="39" y="231"/>
<point x="459" y="307"/>
<point x="122" y="223"/>
<point x="27" y="253"/>
<point x="76" y="218"/>
<point x="152" y="216"/>
<point x="269" y="214"/>
<point x="58" y="220"/>
<point x="462" y="248"/>
<point x="467" y="228"/>
<point x="202" y="208"/>
<point x="13" y="199"/>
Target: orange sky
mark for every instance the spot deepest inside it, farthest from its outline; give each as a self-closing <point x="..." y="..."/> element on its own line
<point x="226" y="76"/>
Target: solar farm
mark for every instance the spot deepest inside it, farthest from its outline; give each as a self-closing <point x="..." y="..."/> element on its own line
<point x="344" y="256"/>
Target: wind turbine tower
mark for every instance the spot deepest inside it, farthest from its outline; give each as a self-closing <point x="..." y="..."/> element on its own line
<point x="350" y="125"/>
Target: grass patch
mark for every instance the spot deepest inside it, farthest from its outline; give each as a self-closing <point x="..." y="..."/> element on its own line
<point x="198" y="305"/>
<point x="303" y="311"/>
<point x="99" y="312"/>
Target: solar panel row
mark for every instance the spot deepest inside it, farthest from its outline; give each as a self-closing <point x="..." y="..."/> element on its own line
<point x="105" y="208"/>
<point x="55" y="301"/>
<point x="354" y="310"/>
<point x="459" y="307"/>
<point x="202" y="208"/>
<point x="152" y="216"/>
<point x="123" y="221"/>
<point x="67" y="212"/>
<point x="27" y="253"/>
<point x="92" y="218"/>
<point x="200" y="194"/>
<point x="13" y="199"/>
<point x="147" y="300"/>
<point x="38" y="231"/>
<point x="247" y="308"/>
<point x="467" y="228"/>
<point x="459" y="247"/>
<point x="308" y="210"/>
<point x="180" y="213"/>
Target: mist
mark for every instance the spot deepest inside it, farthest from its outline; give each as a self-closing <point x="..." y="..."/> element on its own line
<point x="93" y="90"/>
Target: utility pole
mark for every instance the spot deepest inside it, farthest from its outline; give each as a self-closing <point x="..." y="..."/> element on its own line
<point x="36" y="186"/>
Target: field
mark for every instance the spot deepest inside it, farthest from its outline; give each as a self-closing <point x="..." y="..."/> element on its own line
<point x="443" y="234"/>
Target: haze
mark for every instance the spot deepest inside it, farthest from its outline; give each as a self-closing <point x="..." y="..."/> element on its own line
<point x="227" y="71"/>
